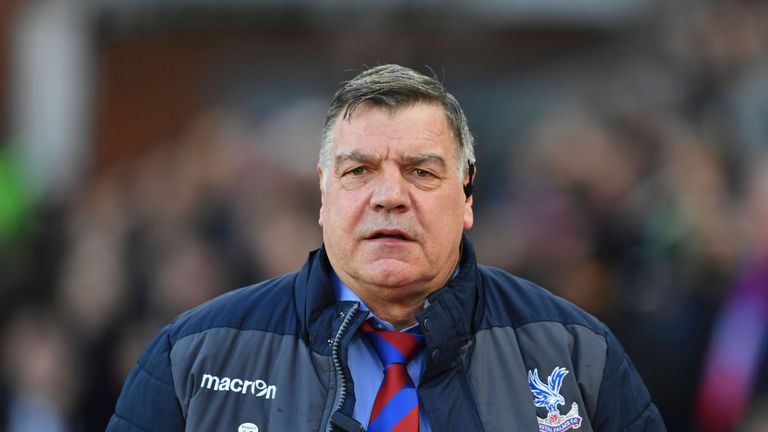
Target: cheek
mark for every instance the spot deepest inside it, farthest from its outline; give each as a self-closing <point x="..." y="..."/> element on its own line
<point x="342" y="211"/>
<point x="444" y="216"/>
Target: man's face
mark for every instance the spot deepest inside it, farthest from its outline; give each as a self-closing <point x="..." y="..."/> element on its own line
<point x="393" y="206"/>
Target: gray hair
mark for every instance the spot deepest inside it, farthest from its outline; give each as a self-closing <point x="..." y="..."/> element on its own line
<point x="394" y="87"/>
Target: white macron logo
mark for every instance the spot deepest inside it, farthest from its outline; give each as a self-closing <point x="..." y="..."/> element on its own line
<point x="238" y="385"/>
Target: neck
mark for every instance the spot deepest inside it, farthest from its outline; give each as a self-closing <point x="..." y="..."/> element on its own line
<point x="396" y="305"/>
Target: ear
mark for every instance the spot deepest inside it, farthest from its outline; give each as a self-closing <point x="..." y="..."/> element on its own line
<point x="322" y="194"/>
<point x="469" y="216"/>
<point x="469" y="180"/>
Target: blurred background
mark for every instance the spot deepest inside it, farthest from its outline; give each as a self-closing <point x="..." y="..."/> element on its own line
<point x="156" y="153"/>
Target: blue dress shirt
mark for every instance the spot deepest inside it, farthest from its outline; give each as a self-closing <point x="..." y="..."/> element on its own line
<point x="365" y="365"/>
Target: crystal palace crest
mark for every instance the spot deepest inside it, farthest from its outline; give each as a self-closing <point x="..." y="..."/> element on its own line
<point x="548" y="396"/>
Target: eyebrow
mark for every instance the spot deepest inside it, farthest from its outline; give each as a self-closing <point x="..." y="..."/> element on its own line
<point x="424" y="159"/>
<point x="355" y="156"/>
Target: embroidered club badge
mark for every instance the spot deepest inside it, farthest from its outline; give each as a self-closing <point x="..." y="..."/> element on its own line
<point x="548" y="396"/>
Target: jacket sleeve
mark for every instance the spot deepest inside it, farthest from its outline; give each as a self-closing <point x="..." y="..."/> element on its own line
<point x="624" y="403"/>
<point x="148" y="400"/>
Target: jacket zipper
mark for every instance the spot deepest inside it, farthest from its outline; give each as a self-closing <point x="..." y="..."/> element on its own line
<point x="341" y="381"/>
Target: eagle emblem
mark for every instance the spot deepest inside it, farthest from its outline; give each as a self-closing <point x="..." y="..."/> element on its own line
<point x="548" y="396"/>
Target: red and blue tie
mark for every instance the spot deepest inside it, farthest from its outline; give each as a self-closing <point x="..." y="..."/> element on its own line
<point x="396" y="407"/>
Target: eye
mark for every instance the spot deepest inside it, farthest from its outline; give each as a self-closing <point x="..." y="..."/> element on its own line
<point x="357" y="171"/>
<point x="424" y="179"/>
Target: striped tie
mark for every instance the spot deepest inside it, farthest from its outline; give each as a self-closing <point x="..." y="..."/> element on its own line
<point x="396" y="408"/>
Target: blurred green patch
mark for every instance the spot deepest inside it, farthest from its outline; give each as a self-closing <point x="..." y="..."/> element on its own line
<point x="15" y="200"/>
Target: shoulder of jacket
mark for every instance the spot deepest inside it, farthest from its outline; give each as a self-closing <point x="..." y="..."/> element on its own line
<point x="266" y="306"/>
<point x="512" y="300"/>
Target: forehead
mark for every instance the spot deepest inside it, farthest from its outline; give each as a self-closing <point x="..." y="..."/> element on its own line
<point x="412" y="129"/>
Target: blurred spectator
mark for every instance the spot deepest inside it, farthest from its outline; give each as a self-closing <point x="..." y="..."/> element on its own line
<point x="733" y="376"/>
<point x="38" y="366"/>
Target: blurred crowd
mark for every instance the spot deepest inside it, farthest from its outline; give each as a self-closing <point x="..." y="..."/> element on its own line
<point x="644" y="200"/>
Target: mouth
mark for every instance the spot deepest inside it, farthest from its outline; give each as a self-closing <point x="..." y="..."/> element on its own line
<point x="390" y="234"/>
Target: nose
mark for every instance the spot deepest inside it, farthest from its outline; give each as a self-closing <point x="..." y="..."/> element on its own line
<point x="390" y="192"/>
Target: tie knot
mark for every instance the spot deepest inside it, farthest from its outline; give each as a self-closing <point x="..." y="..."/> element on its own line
<point x="393" y="346"/>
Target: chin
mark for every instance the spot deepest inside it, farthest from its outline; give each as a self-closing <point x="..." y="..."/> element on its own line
<point x="391" y="273"/>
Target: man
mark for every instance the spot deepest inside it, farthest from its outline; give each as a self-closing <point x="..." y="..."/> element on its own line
<point x="391" y="325"/>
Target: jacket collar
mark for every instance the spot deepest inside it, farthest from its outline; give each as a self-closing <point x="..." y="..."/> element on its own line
<point x="451" y="315"/>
